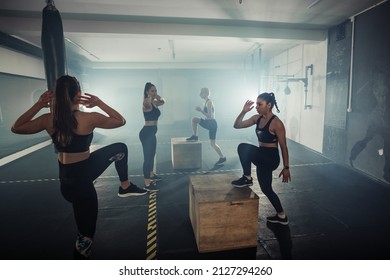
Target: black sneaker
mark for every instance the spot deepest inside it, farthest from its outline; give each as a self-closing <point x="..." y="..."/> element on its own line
<point x="155" y="178"/>
<point x="132" y="190"/>
<point x="242" y="182"/>
<point x="83" y="245"/>
<point x="277" y="220"/>
<point x="151" y="188"/>
<point x="220" y="161"/>
<point x="192" y="138"/>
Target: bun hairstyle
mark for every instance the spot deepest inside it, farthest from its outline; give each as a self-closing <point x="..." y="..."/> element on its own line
<point x="148" y="85"/>
<point x="64" y="121"/>
<point x="269" y="98"/>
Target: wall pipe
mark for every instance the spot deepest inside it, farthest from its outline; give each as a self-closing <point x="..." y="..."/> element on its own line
<point x="305" y="81"/>
<point x="349" y="108"/>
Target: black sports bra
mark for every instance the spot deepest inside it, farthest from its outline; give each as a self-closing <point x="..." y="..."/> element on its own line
<point x="263" y="134"/>
<point x="79" y="143"/>
<point x="152" y="115"/>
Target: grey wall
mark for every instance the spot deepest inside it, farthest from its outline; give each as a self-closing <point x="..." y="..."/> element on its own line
<point x="337" y="86"/>
<point x="123" y="89"/>
<point x="360" y="138"/>
<point x="17" y="94"/>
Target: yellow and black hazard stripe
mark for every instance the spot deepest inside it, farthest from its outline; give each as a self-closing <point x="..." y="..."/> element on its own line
<point x="151" y="245"/>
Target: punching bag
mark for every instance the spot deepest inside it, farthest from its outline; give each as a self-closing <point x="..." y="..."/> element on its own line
<point x="53" y="45"/>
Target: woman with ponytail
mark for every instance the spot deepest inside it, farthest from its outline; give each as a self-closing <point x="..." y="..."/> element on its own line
<point x="270" y="132"/>
<point x="147" y="135"/>
<point x="72" y="131"/>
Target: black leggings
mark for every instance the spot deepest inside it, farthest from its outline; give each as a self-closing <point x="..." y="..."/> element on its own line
<point x="77" y="183"/>
<point x="266" y="161"/>
<point x="147" y="135"/>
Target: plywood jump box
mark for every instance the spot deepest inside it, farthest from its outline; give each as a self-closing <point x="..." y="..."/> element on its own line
<point x="223" y="217"/>
<point x="186" y="154"/>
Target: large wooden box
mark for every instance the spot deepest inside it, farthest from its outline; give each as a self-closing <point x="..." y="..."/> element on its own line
<point x="223" y="217"/>
<point x="186" y="154"/>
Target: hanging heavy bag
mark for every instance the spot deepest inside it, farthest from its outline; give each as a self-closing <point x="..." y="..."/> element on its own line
<point x="53" y="45"/>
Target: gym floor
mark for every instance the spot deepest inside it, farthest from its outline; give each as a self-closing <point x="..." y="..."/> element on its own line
<point x="334" y="211"/>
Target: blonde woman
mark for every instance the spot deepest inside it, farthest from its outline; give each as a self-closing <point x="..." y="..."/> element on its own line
<point x="208" y="122"/>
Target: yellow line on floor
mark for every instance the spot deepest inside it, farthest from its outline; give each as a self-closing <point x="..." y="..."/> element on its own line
<point x="151" y="238"/>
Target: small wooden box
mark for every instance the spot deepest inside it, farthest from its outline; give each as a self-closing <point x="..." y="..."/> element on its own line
<point x="223" y="217"/>
<point x="186" y="154"/>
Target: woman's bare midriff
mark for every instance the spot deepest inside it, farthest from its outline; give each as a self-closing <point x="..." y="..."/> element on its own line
<point x="268" y="145"/>
<point x="150" y="123"/>
<point x="68" y="158"/>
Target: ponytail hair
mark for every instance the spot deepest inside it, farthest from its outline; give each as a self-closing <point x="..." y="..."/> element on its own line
<point x="269" y="98"/>
<point x="64" y="121"/>
<point x="148" y="85"/>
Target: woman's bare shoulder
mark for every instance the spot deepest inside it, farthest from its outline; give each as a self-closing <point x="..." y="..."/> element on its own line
<point x="277" y="123"/>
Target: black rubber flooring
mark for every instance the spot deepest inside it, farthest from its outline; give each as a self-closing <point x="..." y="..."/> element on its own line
<point x="335" y="212"/>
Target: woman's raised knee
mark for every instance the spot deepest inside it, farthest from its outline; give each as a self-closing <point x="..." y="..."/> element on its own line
<point x="121" y="146"/>
<point x="241" y="147"/>
<point x="120" y="151"/>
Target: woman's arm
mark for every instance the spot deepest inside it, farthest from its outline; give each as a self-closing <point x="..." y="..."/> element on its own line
<point x="114" y="119"/>
<point x="280" y="132"/>
<point x="25" y="124"/>
<point x="158" y="101"/>
<point x="209" y="106"/>
<point x="150" y="101"/>
<point x="147" y="104"/>
<point x="239" y="122"/>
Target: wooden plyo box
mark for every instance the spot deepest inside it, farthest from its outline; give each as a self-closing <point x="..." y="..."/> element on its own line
<point x="223" y="217"/>
<point x="186" y="154"/>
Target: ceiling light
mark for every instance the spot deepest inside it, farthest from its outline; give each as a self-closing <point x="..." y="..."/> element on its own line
<point x="81" y="48"/>
<point x="312" y="4"/>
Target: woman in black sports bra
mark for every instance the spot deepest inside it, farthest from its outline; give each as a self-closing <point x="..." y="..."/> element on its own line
<point x="147" y="135"/>
<point x="72" y="133"/>
<point x="271" y="133"/>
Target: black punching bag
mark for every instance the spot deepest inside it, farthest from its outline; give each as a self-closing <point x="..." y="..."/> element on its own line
<point x="53" y="45"/>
